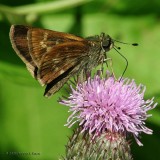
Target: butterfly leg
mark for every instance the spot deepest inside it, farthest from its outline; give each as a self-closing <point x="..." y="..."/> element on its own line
<point x="110" y="64"/>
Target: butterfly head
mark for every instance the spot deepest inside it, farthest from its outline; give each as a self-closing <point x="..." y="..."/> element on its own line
<point x="106" y="42"/>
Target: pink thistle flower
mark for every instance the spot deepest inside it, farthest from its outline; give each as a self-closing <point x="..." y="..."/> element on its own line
<point x="105" y="104"/>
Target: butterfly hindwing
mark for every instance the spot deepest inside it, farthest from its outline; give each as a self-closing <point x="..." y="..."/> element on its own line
<point x="64" y="60"/>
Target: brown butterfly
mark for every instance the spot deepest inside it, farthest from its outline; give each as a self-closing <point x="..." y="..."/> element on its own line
<point x="53" y="57"/>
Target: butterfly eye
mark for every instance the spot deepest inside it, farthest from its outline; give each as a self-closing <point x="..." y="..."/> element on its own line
<point x="106" y="44"/>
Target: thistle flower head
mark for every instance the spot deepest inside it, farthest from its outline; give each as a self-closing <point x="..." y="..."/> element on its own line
<point x="105" y="104"/>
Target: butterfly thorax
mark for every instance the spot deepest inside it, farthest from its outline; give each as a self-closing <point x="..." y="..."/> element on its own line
<point x="99" y="45"/>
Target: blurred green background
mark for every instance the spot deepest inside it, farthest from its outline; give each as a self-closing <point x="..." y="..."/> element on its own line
<point x="32" y="124"/>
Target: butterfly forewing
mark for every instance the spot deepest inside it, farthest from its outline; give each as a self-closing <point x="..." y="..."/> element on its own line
<point x="41" y="41"/>
<point x="51" y="57"/>
<point x="19" y="40"/>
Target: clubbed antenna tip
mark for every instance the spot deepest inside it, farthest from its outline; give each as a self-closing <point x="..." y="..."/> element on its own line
<point x="134" y="44"/>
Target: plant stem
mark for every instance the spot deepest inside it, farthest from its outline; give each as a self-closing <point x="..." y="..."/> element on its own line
<point x="39" y="8"/>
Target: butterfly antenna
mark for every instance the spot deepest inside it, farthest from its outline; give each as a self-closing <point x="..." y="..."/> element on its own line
<point x="133" y="44"/>
<point x="116" y="48"/>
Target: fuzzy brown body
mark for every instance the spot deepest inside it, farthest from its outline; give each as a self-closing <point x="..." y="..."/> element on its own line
<point x="53" y="57"/>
